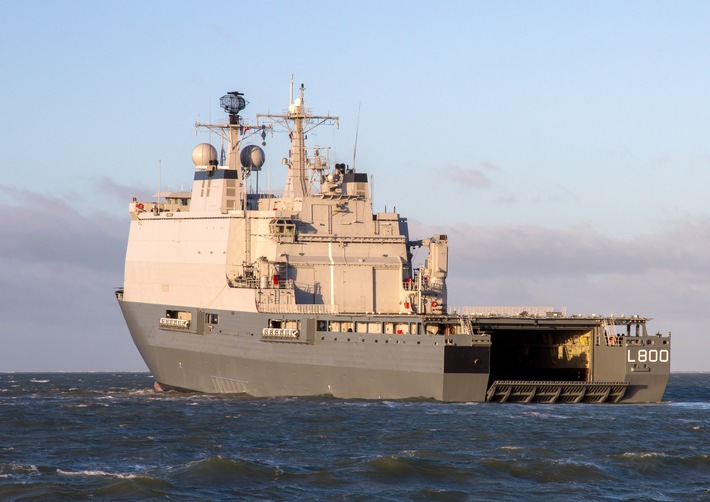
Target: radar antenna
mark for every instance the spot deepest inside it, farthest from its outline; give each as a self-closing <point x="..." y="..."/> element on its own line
<point x="233" y="103"/>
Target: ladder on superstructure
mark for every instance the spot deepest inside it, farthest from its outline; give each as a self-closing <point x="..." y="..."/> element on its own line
<point x="466" y="325"/>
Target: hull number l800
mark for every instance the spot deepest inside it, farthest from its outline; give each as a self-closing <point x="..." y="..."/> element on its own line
<point x="649" y="356"/>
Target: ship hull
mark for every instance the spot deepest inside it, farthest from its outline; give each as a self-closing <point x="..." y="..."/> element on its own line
<point x="234" y="357"/>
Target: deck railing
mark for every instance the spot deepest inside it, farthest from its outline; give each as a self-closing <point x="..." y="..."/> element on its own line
<point x="523" y="311"/>
<point x="279" y="308"/>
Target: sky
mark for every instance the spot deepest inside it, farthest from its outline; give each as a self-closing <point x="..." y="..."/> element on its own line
<point x="562" y="146"/>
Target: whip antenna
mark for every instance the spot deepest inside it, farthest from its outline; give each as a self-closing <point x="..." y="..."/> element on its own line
<point x="357" y="129"/>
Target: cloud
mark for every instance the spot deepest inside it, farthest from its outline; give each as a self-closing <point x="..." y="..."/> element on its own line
<point x="469" y="177"/>
<point x="41" y="229"/>
<point x="507" y="200"/>
<point x="110" y="188"/>
<point x="122" y="193"/>
<point x="58" y="270"/>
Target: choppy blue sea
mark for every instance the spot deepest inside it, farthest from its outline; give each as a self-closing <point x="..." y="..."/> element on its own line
<point x="77" y="436"/>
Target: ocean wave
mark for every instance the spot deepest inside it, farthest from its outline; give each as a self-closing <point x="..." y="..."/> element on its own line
<point x="68" y="484"/>
<point x="110" y="437"/>
<point x="398" y="468"/>
<point x="662" y="464"/>
<point x="546" y="470"/>
<point x="222" y="469"/>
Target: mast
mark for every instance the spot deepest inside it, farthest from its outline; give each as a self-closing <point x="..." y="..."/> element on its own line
<point x="233" y="134"/>
<point x="297" y="185"/>
<point x="297" y="174"/>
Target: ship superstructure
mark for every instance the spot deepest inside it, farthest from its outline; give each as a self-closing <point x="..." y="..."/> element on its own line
<point x="231" y="289"/>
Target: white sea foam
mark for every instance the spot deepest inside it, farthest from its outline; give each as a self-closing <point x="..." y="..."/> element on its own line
<point x="141" y="392"/>
<point x="9" y="470"/>
<point x="546" y="414"/>
<point x="97" y="473"/>
<point x="646" y="454"/>
<point x="692" y="405"/>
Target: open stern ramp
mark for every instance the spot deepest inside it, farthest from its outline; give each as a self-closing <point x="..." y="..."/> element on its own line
<point x="510" y="391"/>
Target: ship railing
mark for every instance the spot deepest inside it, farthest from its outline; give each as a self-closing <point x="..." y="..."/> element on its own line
<point x="304" y="237"/>
<point x="281" y="284"/>
<point x="284" y="308"/>
<point x="173" y="207"/>
<point x="240" y="282"/>
<point x="426" y="286"/>
<point x="611" y="337"/>
<point x="158" y="208"/>
<point x="256" y="283"/>
<point x="506" y="311"/>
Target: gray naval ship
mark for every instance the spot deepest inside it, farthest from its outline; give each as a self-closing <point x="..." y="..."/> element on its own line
<point x="232" y="289"/>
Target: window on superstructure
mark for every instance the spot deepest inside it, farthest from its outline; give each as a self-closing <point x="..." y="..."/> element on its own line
<point x="368" y="327"/>
<point x="340" y="326"/>
<point x="284" y="227"/>
<point x="211" y="318"/>
<point x="402" y="328"/>
<point x="436" y="329"/>
<point x="231" y="188"/>
<point x="178" y="314"/>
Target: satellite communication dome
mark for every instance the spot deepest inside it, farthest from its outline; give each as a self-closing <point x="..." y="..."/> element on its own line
<point x="252" y="157"/>
<point x="204" y="156"/>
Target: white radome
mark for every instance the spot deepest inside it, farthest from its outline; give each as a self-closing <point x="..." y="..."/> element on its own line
<point x="204" y="155"/>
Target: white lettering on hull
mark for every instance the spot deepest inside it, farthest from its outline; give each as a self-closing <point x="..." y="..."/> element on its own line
<point x="649" y="356"/>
